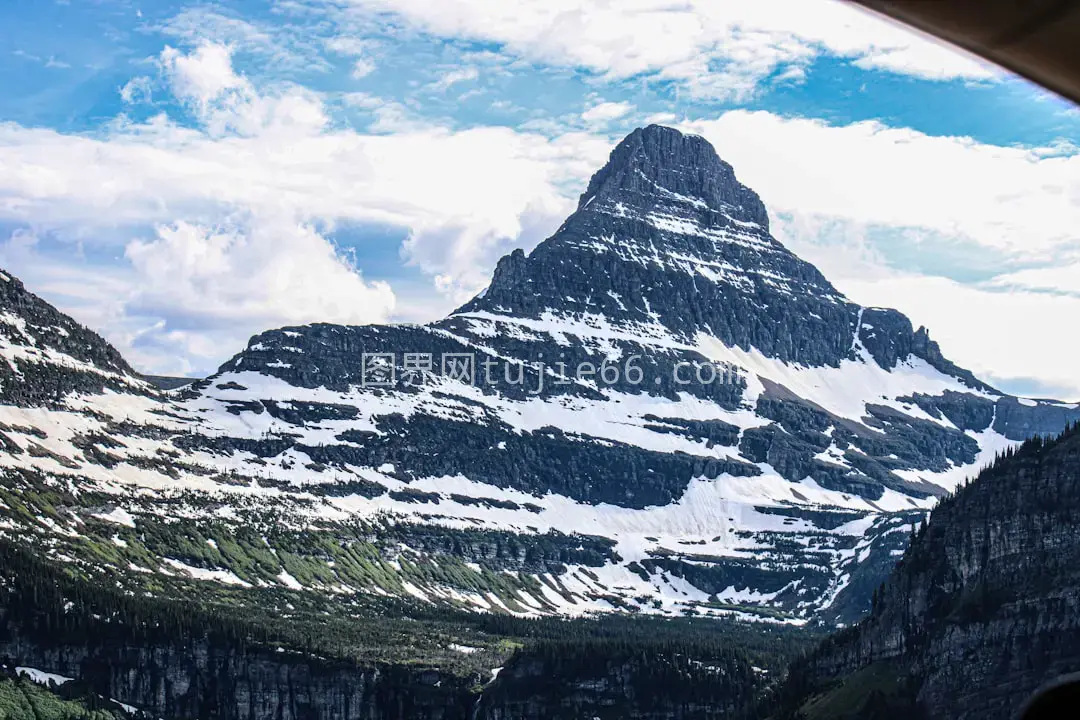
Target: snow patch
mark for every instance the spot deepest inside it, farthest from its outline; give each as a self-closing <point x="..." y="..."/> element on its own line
<point x="41" y="677"/>
<point x="118" y="515"/>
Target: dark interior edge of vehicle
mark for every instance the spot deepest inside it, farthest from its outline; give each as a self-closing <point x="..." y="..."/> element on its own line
<point x="1036" y="39"/>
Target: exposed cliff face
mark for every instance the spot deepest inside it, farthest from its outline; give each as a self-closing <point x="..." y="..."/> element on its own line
<point x="233" y="683"/>
<point x="631" y="685"/>
<point x="985" y="605"/>
<point x="665" y="235"/>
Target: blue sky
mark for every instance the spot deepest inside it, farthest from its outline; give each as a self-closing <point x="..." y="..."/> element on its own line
<point x="183" y="175"/>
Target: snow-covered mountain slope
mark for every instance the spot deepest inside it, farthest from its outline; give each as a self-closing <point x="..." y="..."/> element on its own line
<point x="659" y="409"/>
<point x="47" y="355"/>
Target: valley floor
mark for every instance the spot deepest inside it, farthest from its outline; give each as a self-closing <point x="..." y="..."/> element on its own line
<point x="228" y="656"/>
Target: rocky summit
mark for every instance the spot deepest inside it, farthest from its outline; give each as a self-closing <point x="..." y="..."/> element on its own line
<point x="659" y="410"/>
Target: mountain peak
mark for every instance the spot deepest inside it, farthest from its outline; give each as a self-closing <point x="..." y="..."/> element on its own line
<point x="666" y="237"/>
<point x="657" y="161"/>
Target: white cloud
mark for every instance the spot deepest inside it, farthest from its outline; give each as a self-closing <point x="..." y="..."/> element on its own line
<point x="925" y="59"/>
<point x="716" y="49"/>
<point x="661" y="118"/>
<point x="204" y="75"/>
<point x="51" y="62"/>
<point x="363" y="67"/>
<point x="257" y="272"/>
<point x="604" y="112"/>
<point x="360" y="49"/>
<point x="1062" y="278"/>
<point x="1007" y="330"/>
<point x="461" y="257"/>
<point x="190" y="295"/>
<point x="137" y="90"/>
<point x="347" y="45"/>
<point x="261" y="193"/>
<point x="226" y="102"/>
<point x="264" y="178"/>
<point x="277" y="46"/>
<point x="1016" y="201"/>
<point x="236" y="204"/>
<point x="453" y="77"/>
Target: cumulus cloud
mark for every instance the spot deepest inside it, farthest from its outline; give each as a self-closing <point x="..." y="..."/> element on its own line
<point x="226" y="223"/>
<point x="263" y="270"/>
<point x="453" y="77"/>
<point x="715" y="49"/>
<point x="203" y="76"/>
<point x="263" y="195"/>
<point x="136" y="90"/>
<point x="362" y="67"/>
<point x="225" y="101"/>
<point x="604" y="112"/>
<point x="1016" y="201"/>
<point x="460" y="257"/>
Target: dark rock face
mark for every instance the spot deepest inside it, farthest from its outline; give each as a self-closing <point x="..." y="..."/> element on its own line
<point x="665" y="232"/>
<point x="889" y="337"/>
<point x="1014" y="418"/>
<point x="230" y="683"/>
<point x="36" y="376"/>
<point x="693" y="256"/>
<point x="547" y="460"/>
<point x="985" y="606"/>
<point x="165" y="382"/>
<point x="657" y="156"/>
<point x="542" y="687"/>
